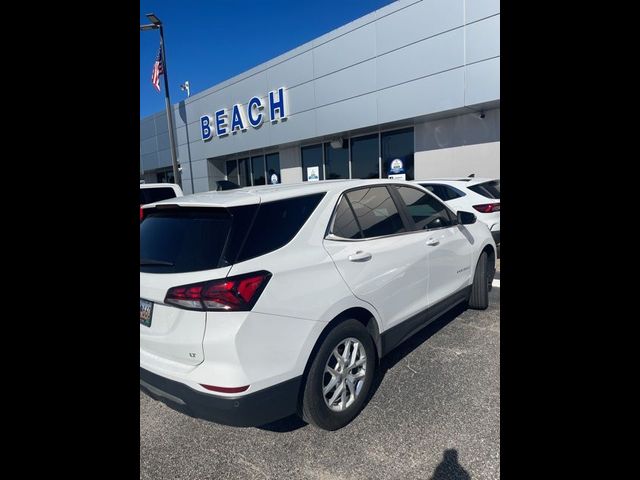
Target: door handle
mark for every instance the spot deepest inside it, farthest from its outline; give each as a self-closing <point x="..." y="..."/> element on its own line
<point x="360" y="256"/>
<point x="432" y="242"/>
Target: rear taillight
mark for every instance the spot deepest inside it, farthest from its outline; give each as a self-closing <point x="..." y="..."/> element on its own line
<point x="239" y="293"/>
<point x="488" y="207"/>
<point x="141" y="213"/>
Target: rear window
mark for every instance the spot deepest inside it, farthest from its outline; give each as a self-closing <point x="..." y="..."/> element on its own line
<point x="443" y="192"/>
<point x="152" y="195"/>
<point x="193" y="239"/>
<point x="184" y="240"/>
<point x="276" y="224"/>
<point x="487" y="189"/>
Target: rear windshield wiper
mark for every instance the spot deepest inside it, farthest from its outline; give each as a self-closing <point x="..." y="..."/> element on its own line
<point x="148" y="261"/>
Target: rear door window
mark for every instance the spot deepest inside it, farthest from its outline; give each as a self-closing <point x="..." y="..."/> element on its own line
<point x="375" y="211"/>
<point x="487" y="189"/>
<point x="184" y="240"/>
<point x="152" y="195"/>
<point x="345" y="224"/>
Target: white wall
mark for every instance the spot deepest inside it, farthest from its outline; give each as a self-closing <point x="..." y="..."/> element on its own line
<point x="483" y="159"/>
<point x="290" y="165"/>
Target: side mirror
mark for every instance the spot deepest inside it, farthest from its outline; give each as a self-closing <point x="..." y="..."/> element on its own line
<point x="466" y="218"/>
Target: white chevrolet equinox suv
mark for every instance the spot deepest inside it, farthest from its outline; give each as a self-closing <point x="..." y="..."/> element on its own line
<point x="262" y="302"/>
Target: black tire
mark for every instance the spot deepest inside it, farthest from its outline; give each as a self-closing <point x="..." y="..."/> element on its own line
<point x="479" y="298"/>
<point x="314" y="407"/>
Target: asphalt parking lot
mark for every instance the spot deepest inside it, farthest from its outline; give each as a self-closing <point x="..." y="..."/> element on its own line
<point x="434" y="414"/>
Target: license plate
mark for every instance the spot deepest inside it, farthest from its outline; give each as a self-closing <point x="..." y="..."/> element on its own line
<point x="146" y="310"/>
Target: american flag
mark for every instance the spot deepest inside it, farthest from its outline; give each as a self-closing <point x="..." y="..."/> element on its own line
<point x="158" y="69"/>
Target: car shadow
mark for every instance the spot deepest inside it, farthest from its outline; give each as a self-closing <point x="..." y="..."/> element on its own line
<point x="294" y="422"/>
<point x="409" y="345"/>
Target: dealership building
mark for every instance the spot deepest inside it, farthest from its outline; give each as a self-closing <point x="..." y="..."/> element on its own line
<point x="411" y="90"/>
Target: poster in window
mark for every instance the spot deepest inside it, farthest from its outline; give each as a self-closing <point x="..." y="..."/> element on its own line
<point x="313" y="173"/>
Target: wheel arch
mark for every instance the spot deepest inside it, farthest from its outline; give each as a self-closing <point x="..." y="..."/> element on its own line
<point x="362" y="315"/>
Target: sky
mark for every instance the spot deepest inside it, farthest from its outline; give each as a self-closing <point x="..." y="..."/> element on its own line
<point x="207" y="42"/>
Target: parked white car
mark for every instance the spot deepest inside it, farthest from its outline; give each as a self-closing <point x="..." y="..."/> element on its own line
<point x="478" y="195"/>
<point x="154" y="192"/>
<point x="261" y="302"/>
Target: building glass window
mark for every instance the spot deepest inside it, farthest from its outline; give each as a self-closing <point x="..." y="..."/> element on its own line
<point x="165" y="175"/>
<point x="232" y="171"/>
<point x="273" y="168"/>
<point x="244" y="173"/>
<point x="312" y="162"/>
<point x="257" y="167"/>
<point x="397" y="145"/>
<point x="336" y="161"/>
<point x="364" y="157"/>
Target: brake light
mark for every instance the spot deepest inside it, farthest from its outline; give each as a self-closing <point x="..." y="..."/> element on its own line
<point x="239" y="293"/>
<point x="488" y="207"/>
<point x="141" y="213"/>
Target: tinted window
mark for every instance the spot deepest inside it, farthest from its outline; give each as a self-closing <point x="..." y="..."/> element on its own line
<point x="244" y="172"/>
<point x="273" y="168"/>
<point x="397" y="145"/>
<point x="151" y="195"/>
<point x="488" y="189"/>
<point x="312" y="158"/>
<point x="276" y="224"/>
<point x="426" y="211"/>
<point x="344" y="223"/>
<point x="257" y="167"/>
<point x="189" y="239"/>
<point x="336" y="161"/>
<point x="375" y="211"/>
<point x="364" y="157"/>
<point x="443" y="192"/>
<point x="232" y="170"/>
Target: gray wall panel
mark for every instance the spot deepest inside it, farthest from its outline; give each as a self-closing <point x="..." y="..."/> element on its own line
<point x="346" y="83"/>
<point x="242" y="91"/>
<point x="477" y="9"/>
<point x="301" y="98"/>
<point x="290" y="73"/>
<point x="427" y="57"/>
<point x="200" y="168"/>
<point x="163" y="141"/>
<point x="305" y="126"/>
<point x="149" y="161"/>
<point x="483" y="39"/>
<point x="346" y="115"/>
<point x="427" y="95"/>
<point x="483" y="82"/>
<point x="147" y="128"/>
<point x="164" y="159"/>
<point x="148" y="146"/>
<point x="161" y="123"/>
<point x="416" y="22"/>
<point x="201" y="184"/>
<point x="344" y="51"/>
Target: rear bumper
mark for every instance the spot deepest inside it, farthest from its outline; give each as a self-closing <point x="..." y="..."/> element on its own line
<point x="254" y="409"/>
